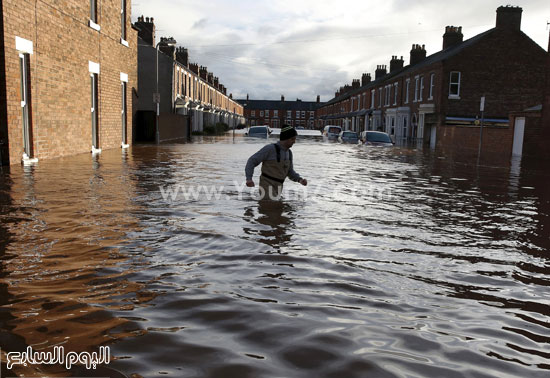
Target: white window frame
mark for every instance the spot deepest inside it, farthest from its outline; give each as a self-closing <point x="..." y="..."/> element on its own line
<point x="432" y="86"/>
<point x="407" y="90"/>
<point x="380" y="97"/>
<point x="123" y="26"/>
<point x="396" y="89"/>
<point x="93" y="22"/>
<point x="289" y="114"/>
<point x="253" y="113"/>
<point x="421" y="88"/>
<point x="275" y="113"/>
<point x="303" y="114"/>
<point x="451" y="83"/>
<point x="416" y="87"/>
<point x="372" y="98"/>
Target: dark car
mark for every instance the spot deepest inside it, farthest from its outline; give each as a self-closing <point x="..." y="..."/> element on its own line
<point x="348" y="137"/>
<point x="376" y="138"/>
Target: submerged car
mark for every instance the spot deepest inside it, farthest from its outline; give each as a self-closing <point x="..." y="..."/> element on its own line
<point x="258" y="132"/>
<point x="331" y="131"/>
<point x="376" y="138"/>
<point x="348" y="137"/>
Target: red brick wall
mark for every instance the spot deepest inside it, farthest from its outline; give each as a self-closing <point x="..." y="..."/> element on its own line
<point x="63" y="45"/>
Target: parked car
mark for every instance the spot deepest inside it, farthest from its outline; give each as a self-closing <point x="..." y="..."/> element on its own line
<point x="258" y="132"/>
<point x="331" y="131"/>
<point x="300" y="128"/>
<point x="348" y="137"/>
<point x="376" y="138"/>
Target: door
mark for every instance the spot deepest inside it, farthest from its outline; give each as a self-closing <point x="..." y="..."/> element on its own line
<point x="25" y="103"/>
<point x="94" y="109"/>
<point x="124" y="117"/>
<point x="519" y="130"/>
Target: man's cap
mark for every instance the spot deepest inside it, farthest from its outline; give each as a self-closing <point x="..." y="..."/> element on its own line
<point x="288" y="132"/>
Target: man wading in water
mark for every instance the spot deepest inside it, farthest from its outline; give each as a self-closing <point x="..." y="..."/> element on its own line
<point x="277" y="165"/>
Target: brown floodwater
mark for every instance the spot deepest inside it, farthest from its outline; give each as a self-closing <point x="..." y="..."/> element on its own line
<point x="396" y="262"/>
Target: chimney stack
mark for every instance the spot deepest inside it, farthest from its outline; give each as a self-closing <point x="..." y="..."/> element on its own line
<point x="247" y="97"/>
<point x="194" y="67"/>
<point x="453" y="36"/>
<point x="216" y="82"/>
<point x="396" y="64"/>
<point x="418" y="53"/>
<point x="146" y="31"/>
<point x="203" y="72"/>
<point x="380" y="72"/>
<point x="282" y="98"/>
<point x="318" y="98"/>
<point x="365" y="79"/>
<point x="356" y="83"/>
<point x="182" y="56"/>
<point x="210" y="78"/>
<point x="165" y="48"/>
<point x="509" y="17"/>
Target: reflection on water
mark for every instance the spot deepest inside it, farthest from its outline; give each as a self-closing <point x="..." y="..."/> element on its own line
<point x="439" y="269"/>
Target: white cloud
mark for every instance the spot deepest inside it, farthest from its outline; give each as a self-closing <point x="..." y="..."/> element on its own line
<point x="309" y="47"/>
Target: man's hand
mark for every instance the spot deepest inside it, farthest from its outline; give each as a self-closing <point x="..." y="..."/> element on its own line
<point x="250" y="183"/>
<point x="303" y="182"/>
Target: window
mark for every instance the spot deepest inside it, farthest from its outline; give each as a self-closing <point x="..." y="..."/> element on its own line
<point x="421" y="88"/>
<point x="396" y="87"/>
<point x="253" y="113"/>
<point x="94" y="103"/>
<point x="123" y="20"/>
<point x="416" y="87"/>
<point x="289" y="114"/>
<point x="93" y="15"/>
<point x="25" y="97"/>
<point x="177" y="81"/>
<point x="454" y="85"/>
<point x="432" y="86"/>
<point x="303" y="113"/>
<point x="380" y="97"/>
<point x="407" y="87"/>
<point x="124" y="110"/>
<point x="267" y="113"/>
<point x="261" y="113"/>
<point x="372" y="96"/>
<point x="275" y="113"/>
<point x="311" y="114"/>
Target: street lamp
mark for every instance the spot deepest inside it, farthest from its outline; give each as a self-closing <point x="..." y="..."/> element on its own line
<point x="167" y="42"/>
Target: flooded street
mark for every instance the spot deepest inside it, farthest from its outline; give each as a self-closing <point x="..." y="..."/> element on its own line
<point x="395" y="262"/>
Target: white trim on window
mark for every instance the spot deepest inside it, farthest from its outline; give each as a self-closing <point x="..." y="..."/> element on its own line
<point x="407" y="89"/>
<point x="416" y="87"/>
<point x="452" y="94"/>
<point x="23" y="45"/>
<point x="94" y="26"/>
<point x="432" y="86"/>
<point x="93" y="67"/>
<point x="421" y="88"/>
<point x="396" y="89"/>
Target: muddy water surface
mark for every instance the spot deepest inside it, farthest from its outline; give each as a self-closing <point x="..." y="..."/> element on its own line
<point x="394" y="263"/>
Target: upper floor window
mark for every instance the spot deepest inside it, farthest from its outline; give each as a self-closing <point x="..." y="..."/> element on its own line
<point x="123" y="20"/>
<point x="275" y="113"/>
<point x="395" y="88"/>
<point x="432" y="86"/>
<point x="380" y="97"/>
<point x="93" y="15"/>
<point x="303" y="114"/>
<point x="261" y="113"/>
<point x="407" y="88"/>
<point x="388" y="95"/>
<point x="267" y="113"/>
<point x="311" y="114"/>
<point x="253" y="113"/>
<point x="289" y="114"/>
<point x="416" y="88"/>
<point x="372" y="96"/>
<point x="454" y="84"/>
<point x="421" y="88"/>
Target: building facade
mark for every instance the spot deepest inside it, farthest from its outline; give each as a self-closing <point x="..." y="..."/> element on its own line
<point x="185" y="89"/>
<point x="277" y="113"/>
<point x="437" y="99"/>
<point x="68" y="75"/>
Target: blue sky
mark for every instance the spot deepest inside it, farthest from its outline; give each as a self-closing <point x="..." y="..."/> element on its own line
<point x="303" y="48"/>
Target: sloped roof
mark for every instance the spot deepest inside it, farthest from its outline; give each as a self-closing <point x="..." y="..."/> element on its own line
<point x="431" y="59"/>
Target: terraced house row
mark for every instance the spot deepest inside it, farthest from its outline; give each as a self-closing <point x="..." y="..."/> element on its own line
<point x="189" y="97"/>
<point x="69" y="81"/>
<point x="437" y="99"/>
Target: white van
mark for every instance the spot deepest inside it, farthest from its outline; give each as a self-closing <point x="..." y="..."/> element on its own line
<point x="331" y="131"/>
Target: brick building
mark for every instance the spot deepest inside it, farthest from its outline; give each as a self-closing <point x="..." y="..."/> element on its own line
<point x="436" y="99"/>
<point x="190" y="96"/>
<point x="68" y="71"/>
<point x="277" y="113"/>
